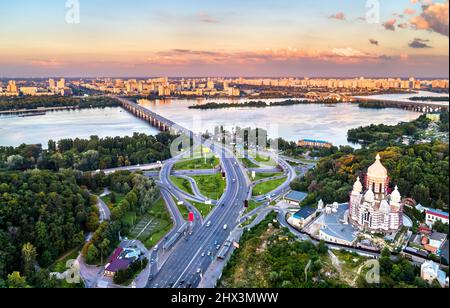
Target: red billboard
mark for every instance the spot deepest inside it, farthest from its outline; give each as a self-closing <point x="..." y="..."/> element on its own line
<point x="191" y="217"/>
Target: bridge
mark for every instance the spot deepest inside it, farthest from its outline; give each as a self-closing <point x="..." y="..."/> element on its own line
<point x="161" y="123"/>
<point x="425" y="107"/>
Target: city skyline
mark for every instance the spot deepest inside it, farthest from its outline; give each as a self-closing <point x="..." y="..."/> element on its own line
<point x="199" y="38"/>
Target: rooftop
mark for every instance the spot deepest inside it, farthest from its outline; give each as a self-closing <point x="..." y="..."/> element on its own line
<point x="437" y="212"/>
<point x="296" y="196"/>
<point x="337" y="229"/>
<point x="117" y="265"/>
<point x="304" y="213"/>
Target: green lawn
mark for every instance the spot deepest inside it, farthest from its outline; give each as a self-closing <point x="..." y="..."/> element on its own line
<point x="107" y="199"/>
<point x="267" y="161"/>
<point x="182" y="184"/>
<point x="183" y="210"/>
<point x="249" y="221"/>
<point x="267" y="187"/>
<point x="203" y="208"/>
<point x="211" y="186"/>
<point x="253" y="205"/>
<point x="248" y="163"/>
<point x="198" y="163"/>
<point x="261" y="176"/>
<point x="162" y="224"/>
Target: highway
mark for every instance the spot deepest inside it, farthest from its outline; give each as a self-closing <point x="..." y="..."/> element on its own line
<point x="197" y="251"/>
<point x="184" y="264"/>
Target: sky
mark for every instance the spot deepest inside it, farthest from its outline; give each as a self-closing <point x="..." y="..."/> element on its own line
<point x="230" y="38"/>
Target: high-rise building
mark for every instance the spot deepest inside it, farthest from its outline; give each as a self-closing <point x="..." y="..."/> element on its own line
<point x="12" y="87"/>
<point x="61" y="83"/>
<point x="51" y="84"/>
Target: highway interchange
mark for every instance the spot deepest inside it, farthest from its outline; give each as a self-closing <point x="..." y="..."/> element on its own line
<point x="184" y="264"/>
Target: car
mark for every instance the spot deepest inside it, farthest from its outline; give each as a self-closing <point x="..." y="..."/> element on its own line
<point x="218" y="247"/>
<point x="216" y="243"/>
<point x="156" y="248"/>
<point x="203" y="255"/>
<point x="208" y="224"/>
<point x="209" y="253"/>
<point x="171" y="284"/>
<point x="181" y="282"/>
<point x="199" y="271"/>
<point x="234" y="180"/>
<point x="225" y="227"/>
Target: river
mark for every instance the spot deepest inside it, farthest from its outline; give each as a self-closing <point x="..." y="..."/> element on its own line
<point x="290" y="122"/>
<point x="70" y="124"/>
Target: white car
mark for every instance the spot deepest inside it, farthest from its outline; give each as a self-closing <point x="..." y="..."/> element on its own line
<point x="156" y="248"/>
<point x="203" y="255"/>
<point x="199" y="271"/>
<point x="209" y="253"/>
<point x="225" y="227"/>
<point x="208" y="224"/>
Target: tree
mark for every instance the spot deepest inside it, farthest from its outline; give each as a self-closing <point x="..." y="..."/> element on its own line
<point x="92" y="254"/>
<point x="16" y="281"/>
<point x="29" y="255"/>
<point x="15" y="162"/>
<point x="104" y="247"/>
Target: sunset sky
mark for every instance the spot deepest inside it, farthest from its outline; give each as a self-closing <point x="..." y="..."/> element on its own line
<point x="326" y="38"/>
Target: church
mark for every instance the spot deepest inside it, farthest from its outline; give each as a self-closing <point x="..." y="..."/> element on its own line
<point x="372" y="207"/>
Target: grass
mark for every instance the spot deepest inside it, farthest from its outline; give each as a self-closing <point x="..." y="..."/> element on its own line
<point x="204" y="209"/>
<point x="107" y="199"/>
<point x="60" y="266"/>
<point x="262" y="176"/>
<point x="182" y="184"/>
<point x="266" y="161"/>
<point x="211" y="186"/>
<point x="248" y="163"/>
<point x="150" y="227"/>
<point x="162" y="224"/>
<point x="183" y="210"/>
<point x="267" y="187"/>
<point x="198" y="163"/>
<point x="248" y="221"/>
<point x="129" y="218"/>
<point x="253" y="205"/>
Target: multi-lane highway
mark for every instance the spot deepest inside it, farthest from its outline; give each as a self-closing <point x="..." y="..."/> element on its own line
<point x="192" y="256"/>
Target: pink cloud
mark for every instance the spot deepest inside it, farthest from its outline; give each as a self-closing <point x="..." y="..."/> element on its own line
<point x="338" y="16"/>
<point x="434" y="17"/>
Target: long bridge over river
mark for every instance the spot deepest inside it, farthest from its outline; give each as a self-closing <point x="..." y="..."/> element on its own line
<point x="419" y="106"/>
<point x="156" y="120"/>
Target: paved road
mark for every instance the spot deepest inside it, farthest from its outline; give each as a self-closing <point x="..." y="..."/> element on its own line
<point x="195" y="172"/>
<point x="180" y="270"/>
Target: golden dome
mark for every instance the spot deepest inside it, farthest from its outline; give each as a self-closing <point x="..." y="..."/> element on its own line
<point x="377" y="170"/>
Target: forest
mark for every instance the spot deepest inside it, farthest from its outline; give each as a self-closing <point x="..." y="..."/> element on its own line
<point x="43" y="214"/>
<point x="14" y="103"/>
<point x="139" y="192"/>
<point x="390" y="134"/>
<point x="88" y="154"/>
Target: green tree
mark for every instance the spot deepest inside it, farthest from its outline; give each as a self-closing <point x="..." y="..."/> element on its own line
<point x="29" y="255"/>
<point x="16" y="281"/>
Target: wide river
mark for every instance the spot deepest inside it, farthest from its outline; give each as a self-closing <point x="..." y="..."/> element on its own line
<point x="290" y="122"/>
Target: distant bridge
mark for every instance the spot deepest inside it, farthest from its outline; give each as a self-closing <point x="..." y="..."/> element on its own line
<point x="425" y="107"/>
